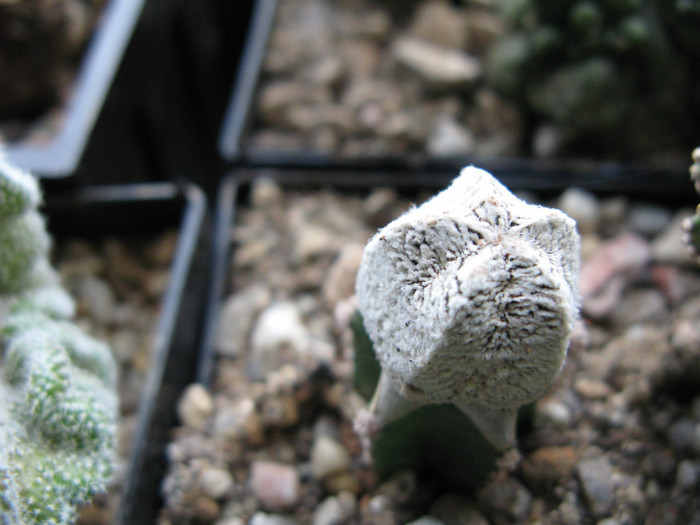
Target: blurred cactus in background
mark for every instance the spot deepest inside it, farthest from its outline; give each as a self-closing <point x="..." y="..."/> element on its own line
<point x="691" y="226"/>
<point x="611" y="75"/>
<point x="58" y="403"/>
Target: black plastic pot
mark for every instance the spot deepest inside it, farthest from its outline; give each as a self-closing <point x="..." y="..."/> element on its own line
<point x="163" y="113"/>
<point x="131" y="212"/>
<point x="60" y="156"/>
<point x="547" y="174"/>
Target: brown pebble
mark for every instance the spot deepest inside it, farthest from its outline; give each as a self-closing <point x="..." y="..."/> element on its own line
<point x="592" y="388"/>
<point x="546" y="466"/>
<point x="206" y="509"/>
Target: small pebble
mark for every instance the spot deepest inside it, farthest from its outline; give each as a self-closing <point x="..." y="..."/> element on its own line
<point x="596" y="476"/>
<point x="681" y="434"/>
<point x="457" y="508"/>
<point x="648" y="220"/>
<point x="555" y="412"/>
<point x="592" y="388"/>
<point x="582" y="206"/>
<point x="215" y="482"/>
<point x="439" y="67"/>
<point x="206" y="509"/>
<point x="547" y="466"/>
<point x="195" y="407"/>
<point x="687" y="474"/>
<point x="608" y="521"/>
<point x="335" y="509"/>
<point x="278" y="338"/>
<point x="276" y="485"/>
<point x="328" y="457"/>
<point x="265" y="193"/>
<point x="261" y="518"/>
<point x="427" y="520"/>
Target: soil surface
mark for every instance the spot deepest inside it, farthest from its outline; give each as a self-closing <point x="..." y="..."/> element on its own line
<point x="616" y="440"/>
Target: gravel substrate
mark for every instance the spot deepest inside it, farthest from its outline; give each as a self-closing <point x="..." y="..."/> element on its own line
<point x="359" y="80"/>
<point x="118" y="285"/>
<point x="616" y="440"/>
<point x="374" y="79"/>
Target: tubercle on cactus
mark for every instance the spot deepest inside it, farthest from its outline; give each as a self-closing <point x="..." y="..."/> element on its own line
<point x="469" y="299"/>
<point x="58" y="403"/>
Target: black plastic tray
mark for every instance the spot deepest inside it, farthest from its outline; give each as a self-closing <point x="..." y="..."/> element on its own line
<point x="554" y="174"/>
<point x="132" y="211"/>
<point x="60" y="156"/>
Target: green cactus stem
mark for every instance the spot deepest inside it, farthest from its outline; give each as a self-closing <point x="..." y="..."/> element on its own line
<point x="58" y="402"/>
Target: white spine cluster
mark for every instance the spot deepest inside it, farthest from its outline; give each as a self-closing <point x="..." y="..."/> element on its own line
<point x="470" y="299"/>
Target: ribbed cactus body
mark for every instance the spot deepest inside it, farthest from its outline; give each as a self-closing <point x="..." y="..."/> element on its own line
<point x="58" y="403"/>
<point x="469" y="299"/>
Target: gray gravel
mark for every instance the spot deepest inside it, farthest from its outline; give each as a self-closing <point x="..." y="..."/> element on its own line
<point x="614" y="441"/>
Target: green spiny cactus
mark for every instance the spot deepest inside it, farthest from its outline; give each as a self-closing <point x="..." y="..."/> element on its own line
<point x="58" y="403"/>
<point x="615" y="76"/>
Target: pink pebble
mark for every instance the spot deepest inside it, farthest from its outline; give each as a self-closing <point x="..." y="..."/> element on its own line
<point x="276" y="485"/>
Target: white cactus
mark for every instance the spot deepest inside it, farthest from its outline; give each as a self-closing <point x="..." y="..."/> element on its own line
<point x="469" y="299"/>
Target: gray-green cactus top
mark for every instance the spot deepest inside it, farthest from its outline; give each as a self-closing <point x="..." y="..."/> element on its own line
<point x="58" y="403"/>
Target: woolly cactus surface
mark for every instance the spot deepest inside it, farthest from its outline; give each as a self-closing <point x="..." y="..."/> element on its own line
<point x="58" y="403"/>
<point x="469" y="299"/>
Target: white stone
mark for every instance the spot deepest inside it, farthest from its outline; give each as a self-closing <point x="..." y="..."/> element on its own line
<point x="438" y="65"/>
<point x="328" y="457"/>
<point x="449" y="137"/>
<point x="237" y="316"/>
<point x="261" y="518"/>
<point x="335" y="509"/>
<point x="215" y="482"/>
<point x="235" y="419"/>
<point x="582" y="206"/>
<point x="195" y="407"/>
<point x="279" y="337"/>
